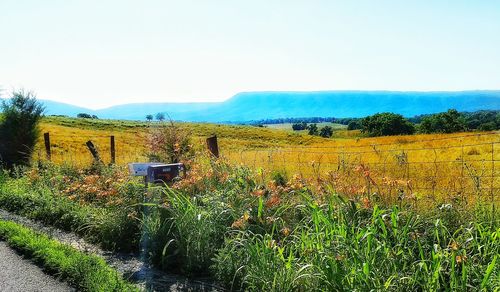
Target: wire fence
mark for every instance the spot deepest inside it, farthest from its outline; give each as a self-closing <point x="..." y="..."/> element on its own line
<point x="459" y="167"/>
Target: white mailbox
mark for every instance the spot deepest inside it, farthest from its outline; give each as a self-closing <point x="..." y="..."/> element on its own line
<point x="140" y="169"/>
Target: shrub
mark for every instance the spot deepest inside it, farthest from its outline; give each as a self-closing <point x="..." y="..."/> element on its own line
<point x="167" y="142"/>
<point x="19" y="129"/>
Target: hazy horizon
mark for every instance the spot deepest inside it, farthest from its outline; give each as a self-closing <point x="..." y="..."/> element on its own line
<point x="97" y="54"/>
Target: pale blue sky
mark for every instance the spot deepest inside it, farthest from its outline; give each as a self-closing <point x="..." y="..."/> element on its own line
<point x="98" y="53"/>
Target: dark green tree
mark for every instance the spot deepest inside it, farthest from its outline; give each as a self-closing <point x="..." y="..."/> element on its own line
<point x="386" y="124"/>
<point x="326" y="132"/>
<point x="448" y="122"/>
<point x="299" y="126"/>
<point x="313" y="129"/>
<point x="149" y="117"/>
<point x="19" y="130"/>
<point x="354" y="125"/>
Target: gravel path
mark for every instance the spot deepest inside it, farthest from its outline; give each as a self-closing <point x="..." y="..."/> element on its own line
<point x="130" y="265"/>
<point x="19" y="274"/>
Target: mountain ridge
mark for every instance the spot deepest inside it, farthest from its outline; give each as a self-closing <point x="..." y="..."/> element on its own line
<point x="246" y="106"/>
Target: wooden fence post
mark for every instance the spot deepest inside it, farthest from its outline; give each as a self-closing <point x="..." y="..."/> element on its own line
<point x="46" y="137"/>
<point x="113" y="152"/>
<point x="93" y="151"/>
<point x="212" y="145"/>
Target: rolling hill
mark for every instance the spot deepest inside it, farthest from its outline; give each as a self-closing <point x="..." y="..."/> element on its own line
<point x="248" y="106"/>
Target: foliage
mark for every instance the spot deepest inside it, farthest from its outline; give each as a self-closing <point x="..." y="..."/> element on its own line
<point x="86" y="116"/>
<point x="326" y="132"/>
<point x="386" y="124"/>
<point x="354" y="125"/>
<point x="43" y="195"/>
<point x="299" y="126"/>
<point x="149" y="117"/>
<point x="19" y="128"/>
<point x="313" y="129"/>
<point x="167" y="142"/>
<point x="273" y="235"/>
<point x="84" y="272"/>
<point x="447" y="122"/>
<point x="160" y="117"/>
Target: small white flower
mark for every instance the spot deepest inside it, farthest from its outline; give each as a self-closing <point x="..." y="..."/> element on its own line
<point x="199" y="217"/>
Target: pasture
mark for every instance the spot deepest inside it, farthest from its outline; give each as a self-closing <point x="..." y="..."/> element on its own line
<point x="432" y="167"/>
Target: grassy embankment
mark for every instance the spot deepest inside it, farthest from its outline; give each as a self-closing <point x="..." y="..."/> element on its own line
<point x="254" y="234"/>
<point x="84" y="272"/>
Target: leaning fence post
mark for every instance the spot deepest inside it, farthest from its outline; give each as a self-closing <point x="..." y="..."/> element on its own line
<point x="93" y="151"/>
<point x="212" y="145"/>
<point x="112" y="148"/>
<point x="46" y="137"/>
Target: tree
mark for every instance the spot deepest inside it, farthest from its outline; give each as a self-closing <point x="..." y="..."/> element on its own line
<point x="354" y="125"/>
<point x="299" y="126"/>
<point x="313" y="129"/>
<point x="326" y="132"/>
<point x="86" y="116"/>
<point x="149" y="117"/>
<point x="19" y="130"/>
<point x="386" y="124"/>
<point x="160" y="117"/>
<point x="448" y="122"/>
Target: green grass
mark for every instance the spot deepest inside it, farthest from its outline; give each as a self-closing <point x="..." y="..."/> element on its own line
<point x="108" y="226"/>
<point x="258" y="235"/>
<point x="84" y="272"/>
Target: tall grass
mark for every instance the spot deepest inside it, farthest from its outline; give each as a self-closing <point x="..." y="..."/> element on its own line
<point x="280" y="235"/>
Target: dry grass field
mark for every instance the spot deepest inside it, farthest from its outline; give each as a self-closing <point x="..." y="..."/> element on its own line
<point x="459" y="165"/>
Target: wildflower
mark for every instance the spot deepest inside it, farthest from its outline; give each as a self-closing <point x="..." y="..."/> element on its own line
<point x="459" y="259"/>
<point x="285" y="231"/>
<point x="453" y="245"/>
<point x="258" y="193"/>
<point x="340" y="257"/>
<point x="366" y="203"/>
<point x="273" y="201"/>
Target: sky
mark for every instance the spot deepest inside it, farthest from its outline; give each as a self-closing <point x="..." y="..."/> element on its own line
<point x="98" y="53"/>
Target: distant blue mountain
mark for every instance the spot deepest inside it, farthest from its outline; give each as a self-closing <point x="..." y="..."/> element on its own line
<point x="248" y="106"/>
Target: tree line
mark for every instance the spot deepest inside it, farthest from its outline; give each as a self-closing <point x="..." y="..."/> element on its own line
<point x="387" y="124"/>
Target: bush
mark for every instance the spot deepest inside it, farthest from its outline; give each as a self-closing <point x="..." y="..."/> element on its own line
<point x="167" y="142"/>
<point x="386" y="124"/>
<point x="19" y="129"/>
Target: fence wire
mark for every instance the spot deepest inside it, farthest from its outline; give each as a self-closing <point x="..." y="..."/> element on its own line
<point x="454" y="170"/>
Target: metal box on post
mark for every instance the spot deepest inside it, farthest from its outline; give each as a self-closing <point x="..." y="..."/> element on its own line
<point x="164" y="173"/>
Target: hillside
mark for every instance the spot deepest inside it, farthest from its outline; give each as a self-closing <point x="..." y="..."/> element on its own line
<point x="267" y="105"/>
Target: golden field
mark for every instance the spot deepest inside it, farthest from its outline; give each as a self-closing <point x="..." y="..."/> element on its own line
<point x="427" y="166"/>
